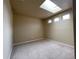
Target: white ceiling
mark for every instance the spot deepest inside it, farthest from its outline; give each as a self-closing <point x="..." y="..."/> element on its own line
<point x="32" y="7"/>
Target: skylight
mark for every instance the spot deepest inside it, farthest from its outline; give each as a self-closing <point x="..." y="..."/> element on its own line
<point x="50" y="6"/>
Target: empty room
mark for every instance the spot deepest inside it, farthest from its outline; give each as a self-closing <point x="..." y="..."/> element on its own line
<point x="38" y="29"/>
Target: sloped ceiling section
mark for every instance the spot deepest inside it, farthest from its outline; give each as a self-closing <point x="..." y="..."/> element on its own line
<point x="32" y="7"/>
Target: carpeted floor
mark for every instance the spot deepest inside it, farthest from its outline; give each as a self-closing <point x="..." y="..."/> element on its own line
<point x="43" y="49"/>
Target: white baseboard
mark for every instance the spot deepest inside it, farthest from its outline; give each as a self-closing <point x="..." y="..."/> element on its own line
<point x="15" y="44"/>
<point x="62" y="43"/>
<point x="68" y="45"/>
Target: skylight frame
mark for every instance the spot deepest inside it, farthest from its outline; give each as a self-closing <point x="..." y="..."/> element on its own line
<point x="50" y="6"/>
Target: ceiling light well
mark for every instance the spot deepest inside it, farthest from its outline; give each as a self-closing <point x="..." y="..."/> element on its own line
<point x="50" y="6"/>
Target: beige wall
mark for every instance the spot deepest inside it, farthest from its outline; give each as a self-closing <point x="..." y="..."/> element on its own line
<point x="27" y="28"/>
<point x="7" y="29"/>
<point x="60" y="31"/>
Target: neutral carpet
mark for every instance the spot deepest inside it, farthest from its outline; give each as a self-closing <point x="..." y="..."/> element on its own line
<point x="43" y="49"/>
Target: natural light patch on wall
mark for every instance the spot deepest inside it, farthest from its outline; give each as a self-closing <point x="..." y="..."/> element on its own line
<point x="66" y="16"/>
<point x="50" y="6"/>
<point x="49" y="21"/>
<point x="56" y="19"/>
